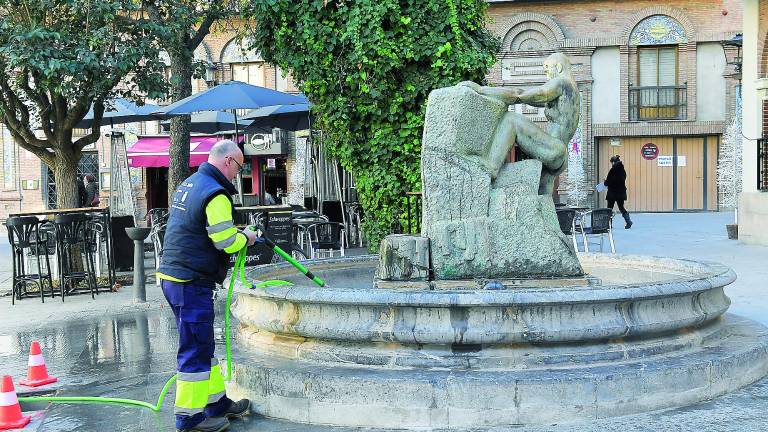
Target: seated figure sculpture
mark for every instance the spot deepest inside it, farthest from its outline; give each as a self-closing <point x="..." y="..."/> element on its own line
<point x="560" y="98"/>
<point x="486" y="218"/>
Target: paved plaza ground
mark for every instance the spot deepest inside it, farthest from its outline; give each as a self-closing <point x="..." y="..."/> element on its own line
<point x="112" y="347"/>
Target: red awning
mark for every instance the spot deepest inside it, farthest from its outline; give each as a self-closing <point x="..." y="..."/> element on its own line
<point x="152" y="151"/>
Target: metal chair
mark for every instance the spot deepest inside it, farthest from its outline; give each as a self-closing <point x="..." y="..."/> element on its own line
<point x="157" y="216"/>
<point x="567" y="219"/>
<point x="326" y="238"/>
<point x="25" y="239"/>
<point x="601" y="223"/>
<point x="97" y="231"/>
<point x="354" y="226"/>
<point x="156" y="236"/>
<point x="72" y="240"/>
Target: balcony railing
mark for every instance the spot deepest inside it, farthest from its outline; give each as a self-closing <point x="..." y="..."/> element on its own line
<point x="658" y="103"/>
<point x="762" y="165"/>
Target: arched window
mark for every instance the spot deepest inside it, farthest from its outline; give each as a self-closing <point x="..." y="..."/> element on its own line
<point x="657" y="94"/>
<point x="241" y="63"/>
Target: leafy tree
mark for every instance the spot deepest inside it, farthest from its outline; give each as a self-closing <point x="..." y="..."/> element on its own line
<point x="59" y="57"/>
<point x="368" y="66"/>
<point x="185" y="24"/>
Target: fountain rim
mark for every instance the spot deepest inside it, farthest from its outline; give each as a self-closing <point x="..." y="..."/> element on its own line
<point x="702" y="276"/>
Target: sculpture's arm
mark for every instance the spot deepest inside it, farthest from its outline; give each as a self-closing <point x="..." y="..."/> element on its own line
<point x="539" y="96"/>
<point x="507" y="95"/>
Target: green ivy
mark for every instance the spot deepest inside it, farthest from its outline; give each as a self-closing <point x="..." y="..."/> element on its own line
<point x="368" y="66"/>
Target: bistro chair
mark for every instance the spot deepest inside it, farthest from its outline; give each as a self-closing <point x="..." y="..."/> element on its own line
<point x="97" y="231"/>
<point x="26" y="239"/>
<point x="300" y="220"/>
<point x="156" y="236"/>
<point x="567" y="219"/>
<point x="354" y="225"/>
<point x="73" y="241"/>
<point x="600" y="224"/>
<point x="326" y="239"/>
<point x="157" y="216"/>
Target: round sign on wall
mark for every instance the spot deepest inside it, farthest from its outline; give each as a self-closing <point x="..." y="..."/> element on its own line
<point x="649" y="151"/>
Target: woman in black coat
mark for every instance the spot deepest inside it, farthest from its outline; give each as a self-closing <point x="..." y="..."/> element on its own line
<point x="91" y="191"/>
<point x="617" y="188"/>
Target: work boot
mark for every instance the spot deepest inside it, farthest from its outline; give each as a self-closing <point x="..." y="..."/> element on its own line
<point x="627" y="220"/>
<point x="210" y="424"/>
<point x="238" y="409"/>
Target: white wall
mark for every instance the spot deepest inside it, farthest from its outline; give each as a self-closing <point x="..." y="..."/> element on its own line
<point x="752" y="107"/>
<point x="606" y="97"/>
<point x="710" y="82"/>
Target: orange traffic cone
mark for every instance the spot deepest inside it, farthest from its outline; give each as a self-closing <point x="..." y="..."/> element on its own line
<point x="10" y="410"/>
<point x="37" y="374"/>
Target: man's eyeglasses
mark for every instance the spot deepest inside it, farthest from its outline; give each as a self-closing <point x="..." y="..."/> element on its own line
<point x="239" y="167"/>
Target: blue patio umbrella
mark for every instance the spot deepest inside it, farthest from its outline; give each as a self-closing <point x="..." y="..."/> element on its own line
<point x="212" y="122"/>
<point x="231" y="95"/>
<point x="122" y="111"/>
<point x="288" y="117"/>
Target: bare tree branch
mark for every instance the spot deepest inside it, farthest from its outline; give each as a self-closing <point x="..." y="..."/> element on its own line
<point x="204" y="29"/>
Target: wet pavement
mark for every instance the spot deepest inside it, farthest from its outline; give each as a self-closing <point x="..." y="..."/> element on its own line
<point x="132" y="356"/>
<point x="121" y="352"/>
<point x="125" y="356"/>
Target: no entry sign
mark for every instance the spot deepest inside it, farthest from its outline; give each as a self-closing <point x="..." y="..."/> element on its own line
<point x="649" y="151"/>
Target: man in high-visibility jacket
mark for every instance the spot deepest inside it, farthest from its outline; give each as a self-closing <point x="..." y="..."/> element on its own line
<point x="200" y="237"/>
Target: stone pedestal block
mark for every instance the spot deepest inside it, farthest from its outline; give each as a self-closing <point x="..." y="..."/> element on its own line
<point x="480" y="226"/>
<point x="403" y="258"/>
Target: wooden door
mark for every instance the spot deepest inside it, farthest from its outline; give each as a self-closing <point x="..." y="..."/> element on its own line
<point x="649" y="186"/>
<point x="712" y="153"/>
<point x="689" y="172"/>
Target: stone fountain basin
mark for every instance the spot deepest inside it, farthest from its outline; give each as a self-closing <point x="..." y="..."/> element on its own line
<point x="641" y="334"/>
<point x="636" y="296"/>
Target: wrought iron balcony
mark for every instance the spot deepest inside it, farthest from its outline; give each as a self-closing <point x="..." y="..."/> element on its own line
<point x="658" y="103"/>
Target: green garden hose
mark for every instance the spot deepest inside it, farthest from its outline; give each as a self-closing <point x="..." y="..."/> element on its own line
<point x="270" y="244"/>
<point x="104" y="400"/>
<point x="238" y="269"/>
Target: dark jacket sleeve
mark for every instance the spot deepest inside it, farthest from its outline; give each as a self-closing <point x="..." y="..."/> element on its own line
<point x="81" y="193"/>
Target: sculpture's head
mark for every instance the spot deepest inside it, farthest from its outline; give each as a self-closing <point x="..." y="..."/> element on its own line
<point x="557" y="64"/>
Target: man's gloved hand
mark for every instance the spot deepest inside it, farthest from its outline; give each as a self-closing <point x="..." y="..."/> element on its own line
<point x="254" y="235"/>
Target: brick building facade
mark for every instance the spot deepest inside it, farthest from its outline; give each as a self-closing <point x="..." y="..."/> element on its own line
<point x="604" y="39"/>
<point x="648" y="74"/>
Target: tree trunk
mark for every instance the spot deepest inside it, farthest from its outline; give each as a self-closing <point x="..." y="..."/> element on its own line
<point x="178" y="153"/>
<point x="65" y="174"/>
<point x="67" y="195"/>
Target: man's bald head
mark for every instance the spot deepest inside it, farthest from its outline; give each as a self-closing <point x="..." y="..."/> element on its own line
<point x="227" y="157"/>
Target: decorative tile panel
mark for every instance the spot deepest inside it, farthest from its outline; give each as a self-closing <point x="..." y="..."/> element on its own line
<point x="658" y="30"/>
